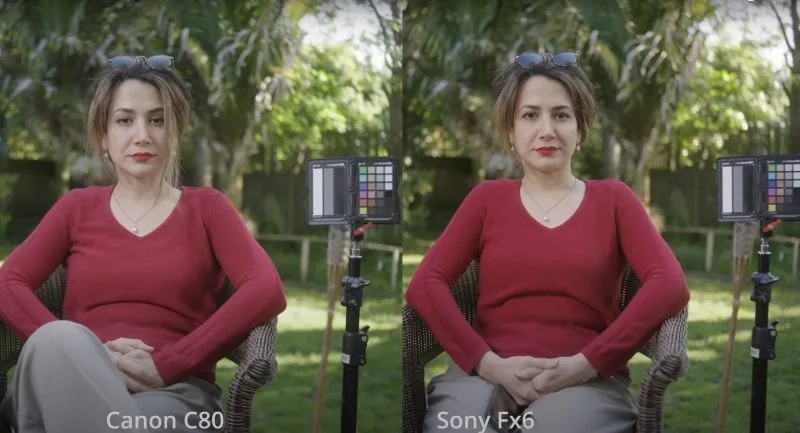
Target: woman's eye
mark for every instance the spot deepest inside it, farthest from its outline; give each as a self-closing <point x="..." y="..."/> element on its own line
<point x="158" y="121"/>
<point x="529" y="115"/>
<point x="123" y="120"/>
<point x="562" y="116"/>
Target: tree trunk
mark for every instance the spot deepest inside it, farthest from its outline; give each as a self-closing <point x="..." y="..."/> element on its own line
<point x="202" y="164"/>
<point x="229" y="180"/>
<point x="794" y="112"/>
<point x="3" y="144"/>
<point x="794" y="80"/>
<point x="610" y="154"/>
<point x="233" y="178"/>
<point x="396" y="135"/>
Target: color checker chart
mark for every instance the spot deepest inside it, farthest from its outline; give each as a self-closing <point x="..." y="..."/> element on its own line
<point x="341" y="190"/>
<point x="751" y="188"/>
<point x="376" y="189"/>
<point x="783" y="185"/>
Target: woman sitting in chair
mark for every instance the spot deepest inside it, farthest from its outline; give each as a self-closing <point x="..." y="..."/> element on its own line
<point x="551" y="250"/>
<point x="146" y="259"/>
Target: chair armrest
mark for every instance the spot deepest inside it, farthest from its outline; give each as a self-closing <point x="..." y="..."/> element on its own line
<point x="419" y="347"/>
<point x="10" y="347"/>
<point x="670" y="362"/>
<point x="257" y="366"/>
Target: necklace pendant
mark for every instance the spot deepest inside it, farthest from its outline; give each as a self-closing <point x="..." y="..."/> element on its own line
<point x="546" y="219"/>
<point x="134" y="229"/>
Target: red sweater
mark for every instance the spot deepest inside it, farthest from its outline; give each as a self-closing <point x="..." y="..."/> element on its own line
<point x="549" y="292"/>
<point x="160" y="288"/>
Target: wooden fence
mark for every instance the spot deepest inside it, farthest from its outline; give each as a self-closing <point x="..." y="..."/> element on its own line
<point x="711" y="234"/>
<point x="305" y="253"/>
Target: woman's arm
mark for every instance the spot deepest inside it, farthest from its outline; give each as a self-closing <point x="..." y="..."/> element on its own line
<point x="31" y="263"/>
<point x="259" y="295"/>
<point x="429" y="292"/>
<point x="663" y="293"/>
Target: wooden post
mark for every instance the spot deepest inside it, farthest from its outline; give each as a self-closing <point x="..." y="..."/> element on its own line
<point x="709" y="249"/>
<point x="305" y="251"/>
<point x="395" y="268"/>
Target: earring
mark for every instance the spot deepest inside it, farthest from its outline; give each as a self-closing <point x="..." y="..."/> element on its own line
<point x="105" y="155"/>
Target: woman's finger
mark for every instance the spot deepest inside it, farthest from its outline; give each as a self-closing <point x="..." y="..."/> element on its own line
<point x="529" y="393"/>
<point x="138" y="344"/>
<point x="118" y="347"/>
<point x="131" y="383"/>
<point x="527" y="373"/>
<point x="541" y="363"/>
<point x="135" y="368"/>
<point x="134" y="385"/>
<point x="125" y="345"/>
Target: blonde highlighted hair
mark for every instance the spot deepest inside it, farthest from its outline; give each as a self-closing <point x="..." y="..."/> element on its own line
<point x="175" y="99"/>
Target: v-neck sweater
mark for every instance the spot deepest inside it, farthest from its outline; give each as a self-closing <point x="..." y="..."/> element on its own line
<point x="549" y="292"/>
<point x="161" y="288"/>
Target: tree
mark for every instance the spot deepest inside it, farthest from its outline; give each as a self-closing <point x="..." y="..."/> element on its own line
<point x="733" y="93"/>
<point x="240" y="52"/>
<point x="49" y="49"/>
<point x="332" y="105"/>
<point x="790" y="30"/>
<point x="644" y="57"/>
<point x="640" y="54"/>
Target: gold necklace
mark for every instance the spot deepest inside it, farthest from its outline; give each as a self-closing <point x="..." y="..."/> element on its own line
<point x="546" y="216"/>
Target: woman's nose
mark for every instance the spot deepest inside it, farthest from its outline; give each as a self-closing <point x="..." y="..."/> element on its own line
<point x="141" y="136"/>
<point x="546" y="127"/>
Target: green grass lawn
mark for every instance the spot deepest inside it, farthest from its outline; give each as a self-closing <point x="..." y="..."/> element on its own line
<point x="692" y="402"/>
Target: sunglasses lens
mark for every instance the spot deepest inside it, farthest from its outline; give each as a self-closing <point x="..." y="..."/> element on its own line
<point x="565" y="59"/>
<point x="529" y="59"/>
<point x="122" y="62"/>
<point x="159" y="62"/>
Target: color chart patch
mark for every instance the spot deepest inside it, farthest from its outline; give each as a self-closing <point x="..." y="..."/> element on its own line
<point x="328" y="187"/>
<point x="736" y="188"/>
<point x="783" y="186"/>
<point x="376" y="189"/>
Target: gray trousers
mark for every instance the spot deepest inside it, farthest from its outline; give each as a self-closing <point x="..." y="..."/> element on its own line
<point x="458" y="402"/>
<point x="65" y="382"/>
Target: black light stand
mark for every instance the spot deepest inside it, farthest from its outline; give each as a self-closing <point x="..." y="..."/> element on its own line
<point x="358" y="191"/>
<point x="354" y="341"/>
<point x="762" y="348"/>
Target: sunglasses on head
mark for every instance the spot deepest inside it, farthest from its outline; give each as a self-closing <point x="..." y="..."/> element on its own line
<point x="160" y="62"/>
<point x="564" y="60"/>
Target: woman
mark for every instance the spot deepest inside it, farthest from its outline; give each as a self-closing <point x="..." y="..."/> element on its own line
<point x="146" y="259"/>
<point x="551" y="251"/>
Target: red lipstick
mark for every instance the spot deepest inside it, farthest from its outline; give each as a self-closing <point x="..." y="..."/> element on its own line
<point x="546" y="151"/>
<point x="142" y="157"/>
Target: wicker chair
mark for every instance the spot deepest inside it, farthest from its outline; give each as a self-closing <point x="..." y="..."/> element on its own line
<point x="666" y="348"/>
<point x="255" y="356"/>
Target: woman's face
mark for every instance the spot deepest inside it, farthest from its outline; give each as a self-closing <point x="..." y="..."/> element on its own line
<point x="136" y="140"/>
<point x="545" y="132"/>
